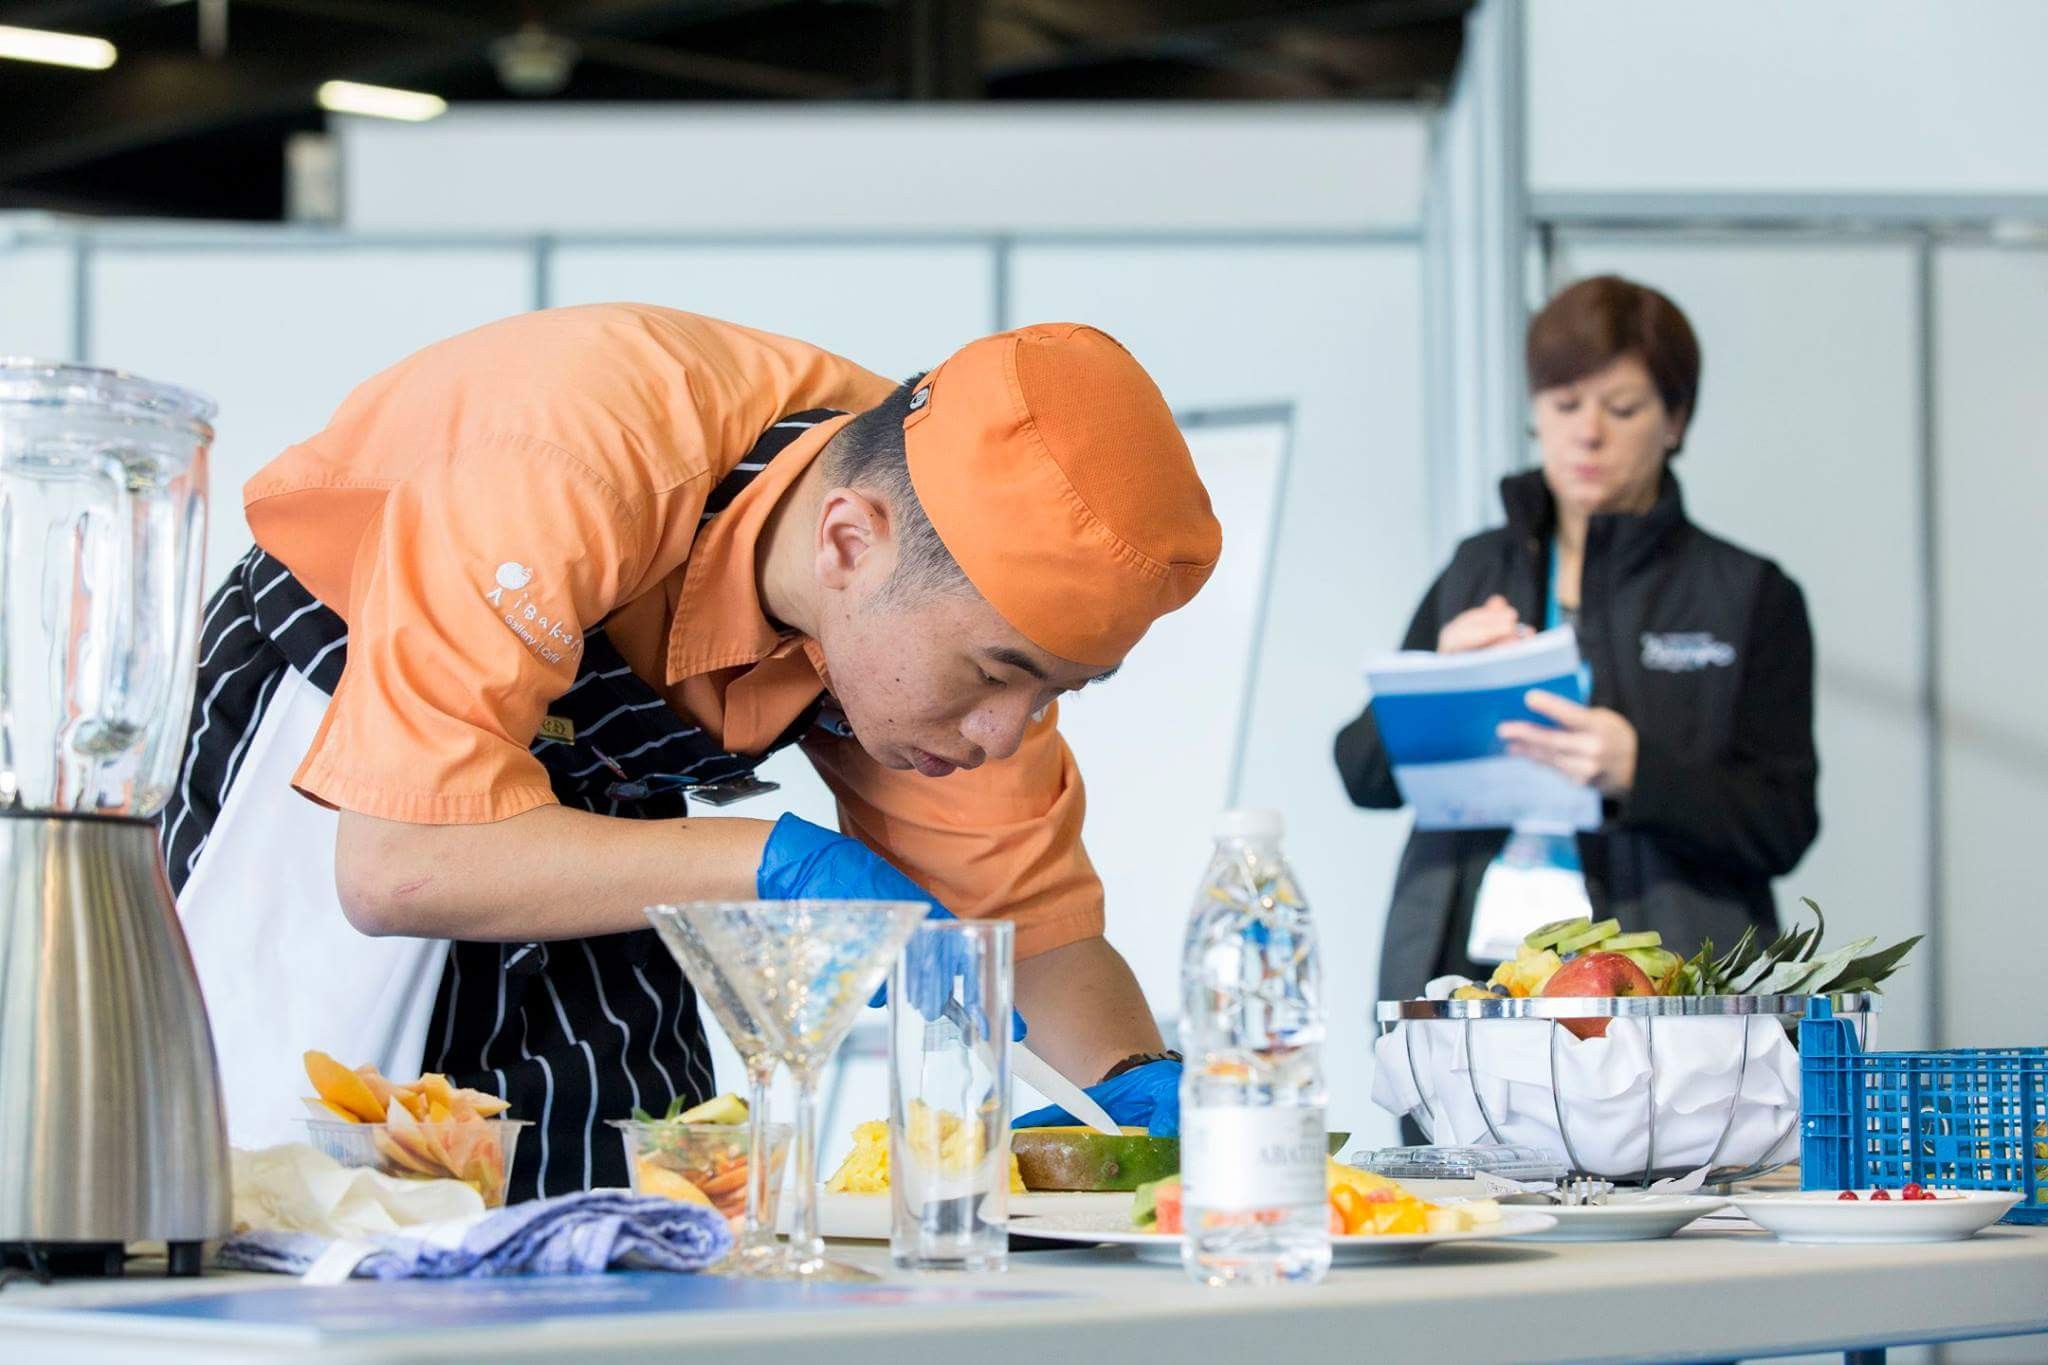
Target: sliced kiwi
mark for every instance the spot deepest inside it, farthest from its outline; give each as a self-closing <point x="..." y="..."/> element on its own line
<point x="1555" y="932"/>
<point x="1657" y="963"/>
<point x="1589" y="936"/>
<point x="1621" y="943"/>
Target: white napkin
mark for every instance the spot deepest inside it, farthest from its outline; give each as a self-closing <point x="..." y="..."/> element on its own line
<point x="1603" y="1088"/>
<point x="293" y="1188"/>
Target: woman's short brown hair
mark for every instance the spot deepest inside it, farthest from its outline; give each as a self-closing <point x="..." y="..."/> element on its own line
<point x="1597" y="321"/>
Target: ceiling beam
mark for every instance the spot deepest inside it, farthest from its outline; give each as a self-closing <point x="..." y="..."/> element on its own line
<point x="154" y="97"/>
<point x="939" y="47"/>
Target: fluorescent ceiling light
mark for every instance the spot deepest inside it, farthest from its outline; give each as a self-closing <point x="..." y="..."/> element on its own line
<point x="56" y="49"/>
<point x="380" y="101"/>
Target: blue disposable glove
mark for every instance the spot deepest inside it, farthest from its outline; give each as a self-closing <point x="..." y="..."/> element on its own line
<point x="1145" y="1097"/>
<point x="803" y="861"/>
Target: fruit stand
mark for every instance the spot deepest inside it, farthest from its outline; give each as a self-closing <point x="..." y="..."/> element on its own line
<point x="1706" y="1294"/>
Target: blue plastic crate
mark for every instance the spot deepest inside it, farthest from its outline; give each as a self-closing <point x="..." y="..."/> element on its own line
<point x="1966" y="1119"/>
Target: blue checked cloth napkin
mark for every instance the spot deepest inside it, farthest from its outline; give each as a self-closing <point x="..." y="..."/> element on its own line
<point x="572" y="1234"/>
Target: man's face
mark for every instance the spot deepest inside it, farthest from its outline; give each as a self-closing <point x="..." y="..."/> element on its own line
<point x="930" y="679"/>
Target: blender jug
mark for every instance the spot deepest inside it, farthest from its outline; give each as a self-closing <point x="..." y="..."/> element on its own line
<point x="110" y="1120"/>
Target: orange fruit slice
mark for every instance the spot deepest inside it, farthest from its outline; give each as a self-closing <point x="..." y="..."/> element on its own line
<point x="482" y="1104"/>
<point x="343" y="1089"/>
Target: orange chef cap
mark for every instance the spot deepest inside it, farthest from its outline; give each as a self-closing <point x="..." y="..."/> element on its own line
<point x="1049" y="464"/>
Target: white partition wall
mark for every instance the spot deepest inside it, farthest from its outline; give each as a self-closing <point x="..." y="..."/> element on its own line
<point x="894" y="307"/>
<point x="1333" y="330"/>
<point x="896" y="170"/>
<point x="278" y="335"/>
<point x="1806" y="449"/>
<point x="1813" y="97"/>
<point x="1990" y="351"/>
<point x="38" y="285"/>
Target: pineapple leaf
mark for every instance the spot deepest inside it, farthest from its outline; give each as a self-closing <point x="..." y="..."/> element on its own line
<point x="1697" y="977"/>
<point x="1819" y="924"/>
<point x="1795" y="978"/>
<point x="1864" y="973"/>
<point x="1725" y="967"/>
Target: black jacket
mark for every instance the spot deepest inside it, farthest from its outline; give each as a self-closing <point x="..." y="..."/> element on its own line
<point x="1705" y="649"/>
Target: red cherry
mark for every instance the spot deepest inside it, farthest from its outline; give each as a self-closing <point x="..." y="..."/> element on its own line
<point x="1922" y="1194"/>
<point x="1912" y="1191"/>
<point x="1879" y="1194"/>
<point x="1849" y="1195"/>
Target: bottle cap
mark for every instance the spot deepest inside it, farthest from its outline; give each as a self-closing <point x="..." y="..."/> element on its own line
<point x="1254" y="826"/>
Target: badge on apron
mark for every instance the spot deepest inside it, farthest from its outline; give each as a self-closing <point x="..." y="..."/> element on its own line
<point x="733" y="789"/>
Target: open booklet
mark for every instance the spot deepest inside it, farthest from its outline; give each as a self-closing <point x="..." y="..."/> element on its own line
<point x="1438" y="715"/>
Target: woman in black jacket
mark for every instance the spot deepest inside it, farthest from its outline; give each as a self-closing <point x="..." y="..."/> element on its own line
<point x="1699" y="735"/>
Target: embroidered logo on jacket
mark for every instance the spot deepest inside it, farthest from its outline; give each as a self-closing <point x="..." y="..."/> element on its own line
<point x="550" y="639"/>
<point x="1686" y="652"/>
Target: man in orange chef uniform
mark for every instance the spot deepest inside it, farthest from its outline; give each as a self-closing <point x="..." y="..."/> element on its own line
<point x="537" y="586"/>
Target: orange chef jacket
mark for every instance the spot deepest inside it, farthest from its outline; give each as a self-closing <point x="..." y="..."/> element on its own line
<point x="472" y="510"/>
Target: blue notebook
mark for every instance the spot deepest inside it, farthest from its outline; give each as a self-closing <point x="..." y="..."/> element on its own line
<point x="1439" y="717"/>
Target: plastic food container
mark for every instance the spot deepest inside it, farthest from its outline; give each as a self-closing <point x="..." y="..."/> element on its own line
<point x="478" y="1152"/>
<point x="711" y="1157"/>
<point x="1464" y="1163"/>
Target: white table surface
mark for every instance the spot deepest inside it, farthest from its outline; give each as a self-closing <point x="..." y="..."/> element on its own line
<point x="1706" y="1294"/>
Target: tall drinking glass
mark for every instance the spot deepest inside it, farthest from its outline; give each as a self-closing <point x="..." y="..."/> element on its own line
<point x="949" y="1097"/>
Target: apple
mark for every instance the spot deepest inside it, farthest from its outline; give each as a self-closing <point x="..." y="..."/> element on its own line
<point x="1597" y="974"/>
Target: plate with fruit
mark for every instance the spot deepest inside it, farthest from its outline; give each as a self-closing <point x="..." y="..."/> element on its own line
<point x="1067" y="1172"/>
<point x="1909" y="1214"/>
<point x="1372" y="1219"/>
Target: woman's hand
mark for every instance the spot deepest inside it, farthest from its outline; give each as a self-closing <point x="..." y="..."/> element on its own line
<point x="1492" y="622"/>
<point x="1593" y="746"/>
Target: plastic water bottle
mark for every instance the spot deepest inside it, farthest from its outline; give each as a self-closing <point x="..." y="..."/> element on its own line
<point x="1251" y="1101"/>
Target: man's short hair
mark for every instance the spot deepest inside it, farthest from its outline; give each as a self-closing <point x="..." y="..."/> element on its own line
<point x="868" y="456"/>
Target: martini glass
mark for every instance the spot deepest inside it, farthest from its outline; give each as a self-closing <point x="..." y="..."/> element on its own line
<point x="802" y="970"/>
<point x="678" y="926"/>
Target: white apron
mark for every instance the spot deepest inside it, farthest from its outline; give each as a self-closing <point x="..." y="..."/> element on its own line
<point x="281" y="968"/>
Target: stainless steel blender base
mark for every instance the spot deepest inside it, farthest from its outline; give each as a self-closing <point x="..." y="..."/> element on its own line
<point x="110" y="1119"/>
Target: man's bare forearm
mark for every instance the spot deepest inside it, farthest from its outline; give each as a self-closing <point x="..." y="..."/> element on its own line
<point x="551" y="873"/>
<point x="1085" y="1009"/>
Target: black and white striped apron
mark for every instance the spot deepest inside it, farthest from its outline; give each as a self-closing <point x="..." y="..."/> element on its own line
<point x="572" y="1032"/>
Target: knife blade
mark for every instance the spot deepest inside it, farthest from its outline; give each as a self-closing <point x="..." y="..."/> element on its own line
<point x="1032" y="1069"/>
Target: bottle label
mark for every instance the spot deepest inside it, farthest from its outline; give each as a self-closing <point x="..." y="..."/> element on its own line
<point x="1252" y="1161"/>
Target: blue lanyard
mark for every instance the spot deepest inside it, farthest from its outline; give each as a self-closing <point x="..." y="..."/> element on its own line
<point x="1553" y="617"/>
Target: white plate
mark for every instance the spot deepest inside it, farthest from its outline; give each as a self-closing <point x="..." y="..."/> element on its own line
<point x="865" y="1217"/>
<point x="1824" y="1216"/>
<point x="1623" y="1218"/>
<point x="1362" y="1249"/>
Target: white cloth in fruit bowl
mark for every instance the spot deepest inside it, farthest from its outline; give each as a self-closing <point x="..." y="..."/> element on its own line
<point x="1603" y="1088"/>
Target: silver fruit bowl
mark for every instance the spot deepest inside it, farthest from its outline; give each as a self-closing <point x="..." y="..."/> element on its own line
<point x="1728" y="1158"/>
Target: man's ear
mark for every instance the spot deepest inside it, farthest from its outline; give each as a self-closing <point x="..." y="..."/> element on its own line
<point x="855" y="538"/>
